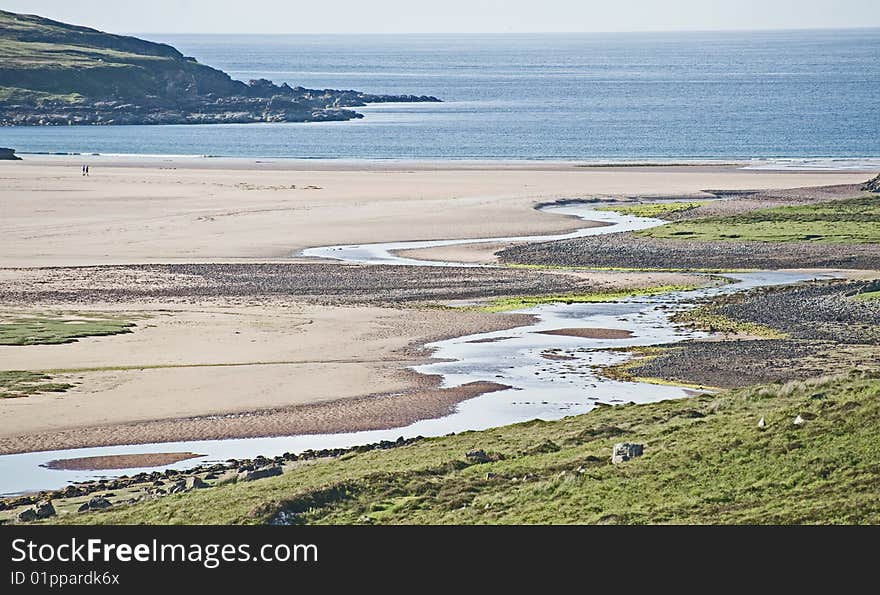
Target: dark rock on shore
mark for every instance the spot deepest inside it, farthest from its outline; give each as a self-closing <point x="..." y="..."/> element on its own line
<point x="872" y="185"/>
<point x="96" y="503"/>
<point x="8" y="155"/>
<point x="260" y="473"/>
<point x="45" y="509"/>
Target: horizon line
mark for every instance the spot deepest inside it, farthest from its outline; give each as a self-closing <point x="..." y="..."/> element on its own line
<point x="450" y="33"/>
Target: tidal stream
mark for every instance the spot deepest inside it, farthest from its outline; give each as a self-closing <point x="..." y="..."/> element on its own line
<point x="550" y="376"/>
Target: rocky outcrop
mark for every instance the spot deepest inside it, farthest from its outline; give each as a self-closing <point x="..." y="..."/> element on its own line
<point x="477" y="456"/>
<point x="45" y="509"/>
<point x="872" y="185"/>
<point x="95" y="503"/>
<point x="8" y="155"/>
<point x="625" y="451"/>
<point x="231" y="471"/>
<point x="195" y="483"/>
<point x="259" y="473"/>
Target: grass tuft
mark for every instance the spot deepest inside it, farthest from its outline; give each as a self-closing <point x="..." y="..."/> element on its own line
<point x="20" y="383"/>
<point x="654" y="209"/>
<point x="54" y="330"/>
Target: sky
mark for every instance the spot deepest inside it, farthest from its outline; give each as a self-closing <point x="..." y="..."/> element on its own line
<point x="450" y="16"/>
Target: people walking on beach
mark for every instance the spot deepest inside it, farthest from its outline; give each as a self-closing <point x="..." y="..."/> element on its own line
<point x="87" y="169"/>
<point x="83" y="170"/>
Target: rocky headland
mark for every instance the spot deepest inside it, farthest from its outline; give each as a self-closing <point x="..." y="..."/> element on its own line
<point x="53" y="73"/>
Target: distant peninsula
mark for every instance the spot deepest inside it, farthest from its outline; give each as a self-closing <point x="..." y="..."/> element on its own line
<point x="54" y="74"/>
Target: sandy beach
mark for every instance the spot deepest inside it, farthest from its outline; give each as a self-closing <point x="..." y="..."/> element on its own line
<point x="195" y="211"/>
<point x="268" y="343"/>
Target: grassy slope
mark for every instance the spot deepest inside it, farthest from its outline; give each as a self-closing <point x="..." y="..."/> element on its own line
<point x="705" y="461"/>
<point x="44" y="60"/>
<point x="851" y="221"/>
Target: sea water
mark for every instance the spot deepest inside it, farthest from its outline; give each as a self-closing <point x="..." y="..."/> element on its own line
<point x="795" y="95"/>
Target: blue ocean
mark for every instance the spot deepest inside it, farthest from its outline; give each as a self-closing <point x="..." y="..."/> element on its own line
<point x="635" y="96"/>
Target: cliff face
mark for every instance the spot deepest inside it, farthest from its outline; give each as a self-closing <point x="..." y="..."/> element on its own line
<point x="55" y="73"/>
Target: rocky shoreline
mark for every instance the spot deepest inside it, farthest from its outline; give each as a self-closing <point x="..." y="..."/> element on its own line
<point x="823" y="326"/>
<point x="156" y="484"/>
<point x="260" y="101"/>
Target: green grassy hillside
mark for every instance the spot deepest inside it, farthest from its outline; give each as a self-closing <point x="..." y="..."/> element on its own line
<point x="706" y="460"/>
<point x="41" y="56"/>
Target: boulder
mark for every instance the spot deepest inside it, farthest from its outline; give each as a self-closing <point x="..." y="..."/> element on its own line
<point x="45" y="509"/>
<point x="179" y="486"/>
<point x="8" y="155"/>
<point x="259" y="473"/>
<point x="799" y="421"/>
<point x="872" y="185"/>
<point x="477" y="456"/>
<point x="99" y="502"/>
<point x="624" y="451"/>
<point x="195" y="483"/>
<point x="761" y="423"/>
<point x="27" y="515"/>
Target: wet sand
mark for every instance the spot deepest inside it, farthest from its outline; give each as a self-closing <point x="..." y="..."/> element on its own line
<point x="369" y="412"/>
<point x="214" y="363"/>
<point x="590" y="333"/>
<point x="108" y="463"/>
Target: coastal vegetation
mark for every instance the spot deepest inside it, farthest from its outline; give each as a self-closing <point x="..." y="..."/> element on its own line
<point x="830" y="227"/>
<point x="707" y="459"/>
<point x="54" y="330"/>
<point x="21" y="383"/>
<point x="707" y="318"/>
<point x="653" y="209"/>
<point x="849" y="221"/>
